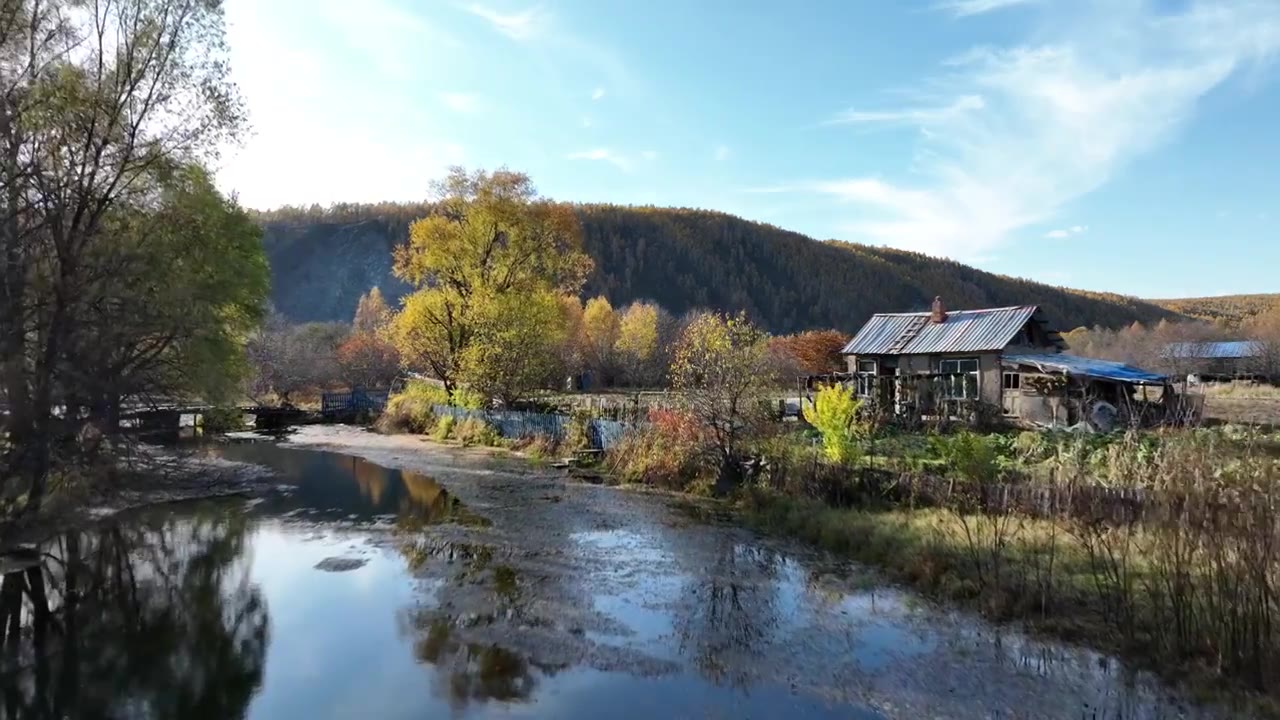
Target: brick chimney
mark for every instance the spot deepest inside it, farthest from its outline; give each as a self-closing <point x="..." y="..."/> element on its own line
<point x="939" y="312"/>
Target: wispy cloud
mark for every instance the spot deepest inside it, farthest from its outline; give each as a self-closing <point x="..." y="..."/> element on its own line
<point x="722" y="153"/>
<point x="911" y="116"/>
<point x="518" y="26"/>
<point x="649" y="155"/>
<point x="603" y="155"/>
<point x="597" y="93"/>
<point x="965" y="8"/>
<point x="1062" y="233"/>
<point x="460" y="102"/>
<point x="1056" y="122"/>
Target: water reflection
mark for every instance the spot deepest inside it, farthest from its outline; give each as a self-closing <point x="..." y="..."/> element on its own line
<point x="156" y="619"/>
<point x="468" y="672"/>
<point x="335" y="486"/>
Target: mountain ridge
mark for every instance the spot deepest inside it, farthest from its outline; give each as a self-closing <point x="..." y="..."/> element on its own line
<point x="323" y="259"/>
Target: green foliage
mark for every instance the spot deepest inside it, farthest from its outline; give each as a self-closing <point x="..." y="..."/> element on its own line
<point x="223" y="419"/>
<point x="834" y="413"/>
<point x="466" y="398"/>
<point x="577" y="435"/>
<point x="407" y="413"/>
<point x="515" y="346"/>
<point x="474" y="431"/>
<point x="968" y="455"/>
<point x="444" y="428"/>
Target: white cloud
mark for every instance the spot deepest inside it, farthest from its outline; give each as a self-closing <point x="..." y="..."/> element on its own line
<point x="1057" y="120"/>
<point x="911" y="116"/>
<point x="1062" y="233"/>
<point x="517" y="26"/>
<point x="597" y="93"/>
<point x="604" y="155"/>
<point x="722" y="153"/>
<point x="460" y="102"/>
<point x="965" y="8"/>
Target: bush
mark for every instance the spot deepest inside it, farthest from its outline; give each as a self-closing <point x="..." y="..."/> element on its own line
<point x="222" y="420"/>
<point x="577" y="435"/>
<point x="412" y="409"/>
<point x="444" y="428"/>
<point x="834" y="412"/>
<point x="474" y="431"/>
<point x="667" y="451"/>
<point x="538" y="447"/>
<point x="968" y="455"/>
<point x="466" y="398"/>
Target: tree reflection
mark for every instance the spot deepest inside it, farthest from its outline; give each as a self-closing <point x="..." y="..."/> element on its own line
<point x="732" y="610"/>
<point x="471" y="672"/>
<point x="155" y="620"/>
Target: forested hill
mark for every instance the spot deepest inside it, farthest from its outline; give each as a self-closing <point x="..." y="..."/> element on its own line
<point x="323" y="259"/>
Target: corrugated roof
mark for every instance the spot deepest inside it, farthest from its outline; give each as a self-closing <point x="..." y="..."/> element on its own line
<point x="963" y="331"/>
<point x="1235" y="349"/>
<point x="1085" y="367"/>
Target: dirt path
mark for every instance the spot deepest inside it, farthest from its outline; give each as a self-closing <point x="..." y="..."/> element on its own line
<point x="576" y="575"/>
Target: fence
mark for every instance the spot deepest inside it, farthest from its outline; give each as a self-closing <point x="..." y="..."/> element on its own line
<point x="354" y="401"/>
<point x="604" y="434"/>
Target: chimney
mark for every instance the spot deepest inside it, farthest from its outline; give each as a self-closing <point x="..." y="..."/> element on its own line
<point x="939" y="313"/>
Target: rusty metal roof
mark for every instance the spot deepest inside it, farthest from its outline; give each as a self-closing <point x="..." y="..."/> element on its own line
<point x="963" y="331"/>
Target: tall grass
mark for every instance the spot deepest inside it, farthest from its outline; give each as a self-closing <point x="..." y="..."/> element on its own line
<point x="1176" y="562"/>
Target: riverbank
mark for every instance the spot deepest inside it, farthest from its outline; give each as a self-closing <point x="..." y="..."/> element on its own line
<point x="150" y="475"/>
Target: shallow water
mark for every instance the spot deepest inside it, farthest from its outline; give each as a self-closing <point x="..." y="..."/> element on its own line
<point x="488" y="590"/>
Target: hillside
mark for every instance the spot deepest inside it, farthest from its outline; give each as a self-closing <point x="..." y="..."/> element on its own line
<point x="1233" y="310"/>
<point x="323" y="259"/>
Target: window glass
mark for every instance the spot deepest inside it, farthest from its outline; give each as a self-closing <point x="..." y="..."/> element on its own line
<point x="1012" y="381"/>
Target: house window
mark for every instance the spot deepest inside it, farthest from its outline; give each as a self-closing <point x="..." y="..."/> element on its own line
<point x="866" y="378"/>
<point x="959" y="378"/>
<point x="1012" y="381"/>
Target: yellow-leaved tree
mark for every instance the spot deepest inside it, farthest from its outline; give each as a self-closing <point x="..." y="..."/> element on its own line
<point x="490" y="256"/>
<point x="833" y="412"/>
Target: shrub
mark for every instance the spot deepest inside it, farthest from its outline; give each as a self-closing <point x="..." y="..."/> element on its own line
<point x="538" y="446"/>
<point x="466" y="398"/>
<point x="834" y="413"/>
<point x="577" y="435"/>
<point x="222" y="420"/>
<point x="411" y="409"/>
<point x="474" y="431"/>
<point x="667" y="451"/>
<point x="444" y="428"/>
<point x="968" y="455"/>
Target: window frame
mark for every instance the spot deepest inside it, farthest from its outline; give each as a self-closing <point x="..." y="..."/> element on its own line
<point x="967" y="390"/>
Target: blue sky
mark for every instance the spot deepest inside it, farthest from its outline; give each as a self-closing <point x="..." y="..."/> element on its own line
<point x="1122" y="145"/>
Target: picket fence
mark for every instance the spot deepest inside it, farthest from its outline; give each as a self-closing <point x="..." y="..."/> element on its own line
<point x="516" y="423"/>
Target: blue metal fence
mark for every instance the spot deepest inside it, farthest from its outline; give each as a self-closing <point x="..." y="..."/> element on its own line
<point x="514" y="424"/>
<point x="354" y="401"/>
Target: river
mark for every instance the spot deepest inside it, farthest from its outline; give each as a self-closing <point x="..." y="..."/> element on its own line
<point x="398" y="579"/>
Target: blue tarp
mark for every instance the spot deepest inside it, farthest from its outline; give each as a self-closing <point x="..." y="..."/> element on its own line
<point x="1086" y="367"/>
<point x="1232" y="350"/>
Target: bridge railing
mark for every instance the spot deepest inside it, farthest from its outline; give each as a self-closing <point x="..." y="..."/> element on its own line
<point x="354" y="401"/>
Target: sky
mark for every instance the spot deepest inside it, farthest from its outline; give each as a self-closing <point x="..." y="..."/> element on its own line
<point x="1119" y="145"/>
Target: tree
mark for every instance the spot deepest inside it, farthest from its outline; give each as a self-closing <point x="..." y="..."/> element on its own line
<point x="814" y="352"/>
<point x="288" y="358"/>
<point x="491" y="236"/>
<point x="599" y="335"/>
<point x="517" y="345"/>
<point x="372" y="314"/>
<point x="719" y="368"/>
<point x="834" y="413"/>
<point x="99" y="103"/>
<point x="365" y="360"/>
<point x="639" y="347"/>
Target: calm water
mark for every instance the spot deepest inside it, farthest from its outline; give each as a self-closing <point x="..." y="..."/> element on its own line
<point x="212" y="611"/>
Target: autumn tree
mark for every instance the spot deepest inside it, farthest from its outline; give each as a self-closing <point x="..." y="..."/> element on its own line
<point x="719" y="368"/>
<point x="814" y="352"/>
<point x="646" y="333"/>
<point x="491" y="242"/>
<point x="599" y="335"/>
<point x="516" y="347"/>
<point x="372" y="313"/>
<point x="99" y="103"/>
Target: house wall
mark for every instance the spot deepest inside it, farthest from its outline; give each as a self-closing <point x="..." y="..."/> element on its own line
<point x="989" y="370"/>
